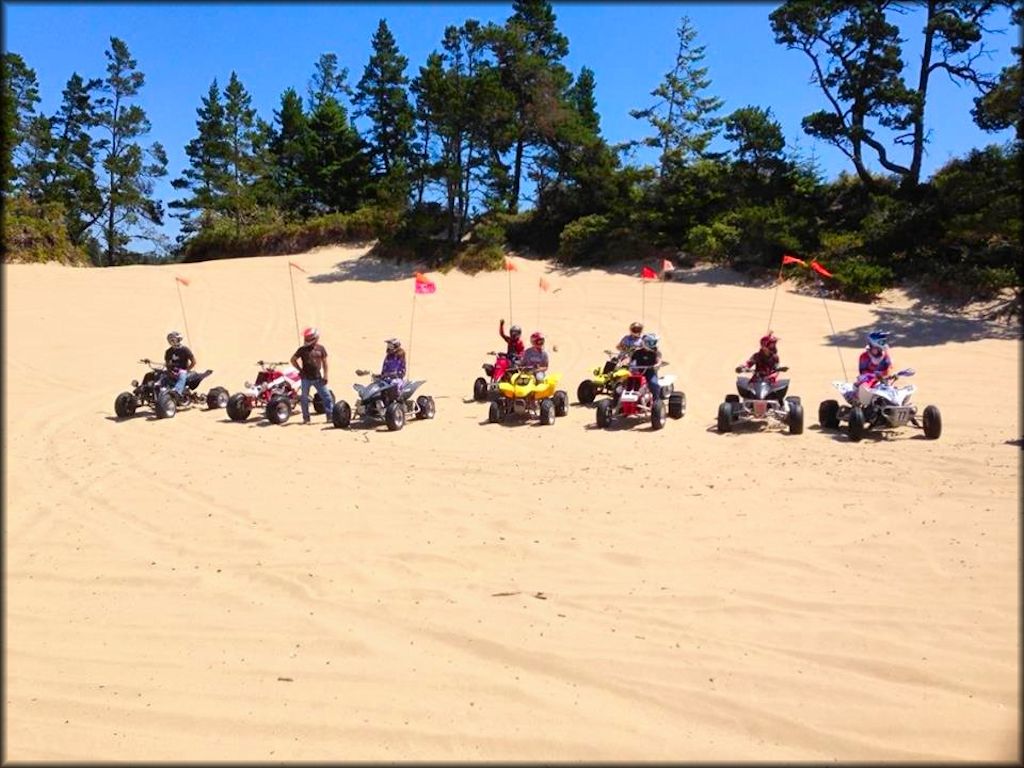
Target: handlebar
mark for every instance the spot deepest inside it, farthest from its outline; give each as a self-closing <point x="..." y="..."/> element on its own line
<point x="265" y="364"/>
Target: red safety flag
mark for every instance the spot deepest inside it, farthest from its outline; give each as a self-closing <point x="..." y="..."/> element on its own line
<point x="544" y="285"/>
<point x="787" y="259"/>
<point x="510" y="265"/>
<point x="182" y="280"/>
<point x="423" y="284"/>
<point x="293" y="264"/>
<point x="819" y="269"/>
<point x="666" y="265"/>
<point x="647" y="273"/>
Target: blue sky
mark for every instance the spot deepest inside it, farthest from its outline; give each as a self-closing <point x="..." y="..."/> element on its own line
<point x="182" y="47"/>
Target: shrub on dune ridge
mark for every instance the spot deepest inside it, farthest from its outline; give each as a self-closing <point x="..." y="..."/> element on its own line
<point x="38" y="233"/>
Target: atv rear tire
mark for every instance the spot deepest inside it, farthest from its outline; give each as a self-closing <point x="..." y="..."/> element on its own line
<point x="547" y="411"/>
<point x="494" y="413"/>
<point x="561" y="403"/>
<point x="828" y="414"/>
<point x="318" y="402"/>
<point x="124" y="405"/>
<point x="165" y="406"/>
<point x="604" y="414"/>
<point x="217" y="398"/>
<point x="677" y="405"/>
<point x="732" y="398"/>
<point x="932" y="422"/>
<point x="725" y="417"/>
<point x="795" y="418"/>
<point x="658" y="414"/>
<point x="856" y="427"/>
<point x="480" y="389"/>
<point x="425" y="407"/>
<point x="341" y="414"/>
<point x="586" y="392"/>
<point x="394" y="416"/>
<point x="238" y="407"/>
<point x="279" y="409"/>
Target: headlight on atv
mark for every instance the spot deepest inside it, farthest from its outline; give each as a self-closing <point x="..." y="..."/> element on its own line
<point x="247" y="385"/>
<point x="135" y="382"/>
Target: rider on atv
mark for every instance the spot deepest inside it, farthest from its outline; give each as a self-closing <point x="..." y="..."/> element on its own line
<point x="646" y="357"/>
<point x="765" y="361"/>
<point x="629" y="342"/>
<point x="535" y="358"/>
<point x="393" y="367"/>
<point x="178" y="360"/>
<point x="513" y="339"/>
<point x="875" y="362"/>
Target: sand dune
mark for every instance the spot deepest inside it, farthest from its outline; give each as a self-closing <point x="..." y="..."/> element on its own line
<point x="197" y="589"/>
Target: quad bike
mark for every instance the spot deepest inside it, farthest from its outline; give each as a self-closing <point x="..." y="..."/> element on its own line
<point x="487" y="388"/>
<point x="381" y="400"/>
<point x="156" y="390"/>
<point x="878" y="403"/>
<point x="761" y="397"/>
<point x="522" y="395"/>
<point x="633" y="399"/>
<point x="605" y="379"/>
<point x="275" y="390"/>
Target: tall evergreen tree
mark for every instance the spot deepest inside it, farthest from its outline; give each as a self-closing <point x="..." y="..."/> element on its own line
<point x="289" y="156"/>
<point x="244" y="135"/>
<point x="208" y="178"/>
<point x="682" y="117"/>
<point x="381" y="96"/>
<point x="73" y="178"/>
<point x="20" y="96"/>
<point x="129" y="169"/>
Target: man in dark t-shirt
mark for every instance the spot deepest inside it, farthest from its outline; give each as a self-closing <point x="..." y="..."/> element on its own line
<point x="179" y="360"/>
<point x="646" y="358"/>
<point x="311" y="360"/>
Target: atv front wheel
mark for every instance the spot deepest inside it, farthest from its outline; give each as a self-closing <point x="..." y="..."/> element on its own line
<point x="425" y="407"/>
<point x="561" y="403"/>
<point x="604" y="414"/>
<point x="394" y="416"/>
<point x="217" y="398"/>
<point x="480" y="389"/>
<point x="725" y="417"/>
<point x="658" y="414"/>
<point x="586" y="392"/>
<point x="677" y="405"/>
<point x="165" y="406"/>
<point x="796" y="418"/>
<point x="341" y="414"/>
<point x="494" y="413"/>
<point x="856" y="427"/>
<point x="547" y="411"/>
<point x="318" y="402"/>
<point x="238" y="407"/>
<point x="278" y="409"/>
<point x="828" y="414"/>
<point x="124" y="405"/>
<point x="932" y="422"/>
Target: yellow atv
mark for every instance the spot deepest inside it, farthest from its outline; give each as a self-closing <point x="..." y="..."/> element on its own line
<point x="606" y="378"/>
<point x="522" y="395"/>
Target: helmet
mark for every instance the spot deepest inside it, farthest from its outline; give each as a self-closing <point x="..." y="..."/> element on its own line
<point x="174" y="338"/>
<point x="769" y="340"/>
<point x="515" y="330"/>
<point x="650" y="341"/>
<point x="879" y="339"/>
<point x="310" y="335"/>
<point x="536" y="337"/>
<point x="394" y="345"/>
<point x="636" y="326"/>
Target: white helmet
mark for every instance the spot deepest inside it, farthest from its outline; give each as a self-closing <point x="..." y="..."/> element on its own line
<point x="650" y="341"/>
<point x="394" y="345"/>
<point x="174" y="338"/>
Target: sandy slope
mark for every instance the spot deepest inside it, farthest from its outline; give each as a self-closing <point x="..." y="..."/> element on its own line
<point x="196" y="589"/>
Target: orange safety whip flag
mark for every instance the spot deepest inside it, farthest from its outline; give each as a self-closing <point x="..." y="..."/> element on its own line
<point x="510" y="265"/>
<point x="648" y="274"/>
<point x="787" y="259"/>
<point x="819" y="269"/>
<point x="424" y="285"/>
<point x="544" y="284"/>
<point x="293" y="264"/>
<point x="182" y="280"/>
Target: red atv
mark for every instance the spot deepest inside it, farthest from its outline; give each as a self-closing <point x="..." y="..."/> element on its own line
<point x="275" y="389"/>
<point x="487" y="389"/>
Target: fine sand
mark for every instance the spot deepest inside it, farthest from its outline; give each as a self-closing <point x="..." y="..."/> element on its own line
<point x="195" y="589"/>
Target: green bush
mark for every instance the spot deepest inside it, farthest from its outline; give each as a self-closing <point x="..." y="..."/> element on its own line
<point x="712" y="243"/>
<point x="860" y="281"/>
<point x="584" y="240"/>
<point x="38" y="233"/>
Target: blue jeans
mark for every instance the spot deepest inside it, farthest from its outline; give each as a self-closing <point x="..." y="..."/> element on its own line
<point x="652" y="383"/>
<point x="179" y="385"/>
<point x="325" y="395"/>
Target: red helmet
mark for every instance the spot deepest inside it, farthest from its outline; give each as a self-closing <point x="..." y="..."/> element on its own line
<point x="769" y="340"/>
<point x="536" y="337"/>
<point x="310" y="335"/>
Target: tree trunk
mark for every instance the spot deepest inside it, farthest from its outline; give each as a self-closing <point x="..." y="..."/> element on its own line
<point x="922" y="90"/>
<point x="517" y="170"/>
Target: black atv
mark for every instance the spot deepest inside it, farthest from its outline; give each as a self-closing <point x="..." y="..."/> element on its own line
<point x="156" y="390"/>
<point x="761" y="398"/>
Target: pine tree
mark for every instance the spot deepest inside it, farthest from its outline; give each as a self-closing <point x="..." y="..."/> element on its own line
<point x="73" y="179"/>
<point x="20" y="96"/>
<point x="289" y="151"/>
<point x="128" y="168"/>
<point x="244" y="136"/>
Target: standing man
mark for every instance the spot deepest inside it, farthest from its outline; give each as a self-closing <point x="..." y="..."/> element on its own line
<point x="178" y="360"/>
<point x="311" y="360"/>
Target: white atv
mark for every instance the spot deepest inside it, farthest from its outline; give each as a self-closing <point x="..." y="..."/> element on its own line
<point x="878" y="403"/>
